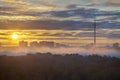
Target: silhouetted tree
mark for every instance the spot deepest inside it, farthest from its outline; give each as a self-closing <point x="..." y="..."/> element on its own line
<point x="41" y="66"/>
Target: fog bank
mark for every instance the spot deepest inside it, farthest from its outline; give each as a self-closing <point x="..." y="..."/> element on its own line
<point x="81" y="51"/>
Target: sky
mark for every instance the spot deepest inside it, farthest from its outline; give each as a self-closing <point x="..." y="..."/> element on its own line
<point x="63" y="21"/>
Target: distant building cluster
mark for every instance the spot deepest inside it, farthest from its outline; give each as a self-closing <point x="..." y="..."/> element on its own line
<point x="51" y="44"/>
<point x="116" y="46"/>
<point x="113" y="46"/>
<point x="23" y="43"/>
<point x="41" y="44"/>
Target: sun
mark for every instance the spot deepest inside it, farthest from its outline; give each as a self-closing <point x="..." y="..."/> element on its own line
<point x="14" y="36"/>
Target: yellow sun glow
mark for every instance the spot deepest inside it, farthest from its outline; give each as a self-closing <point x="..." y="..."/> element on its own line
<point x="14" y="36"/>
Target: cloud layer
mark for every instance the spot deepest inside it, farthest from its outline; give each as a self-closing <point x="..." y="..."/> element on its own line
<point x="64" y="15"/>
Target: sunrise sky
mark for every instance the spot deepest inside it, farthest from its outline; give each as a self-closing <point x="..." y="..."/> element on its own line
<point x="64" y="21"/>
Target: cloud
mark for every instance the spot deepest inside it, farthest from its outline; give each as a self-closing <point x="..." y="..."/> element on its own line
<point x="84" y="13"/>
<point x="60" y="38"/>
<point x="114" y="1"/>
<point x="68" y="19"/>
<point x="63" y="34"/>
<point x="90" y="34"/>
<point x="16" y="2"/>
<point x="7" y="8"/>
<point x="14" y="18"/>
<point x="88" y="13"/>
<point x="26" y="6"/>
<point x="105" y="3"/>
<point x="71" y="6"/>
<point x="58" y="25"/>
<point x="114" y="4"/>
<point x="114" y="34"/>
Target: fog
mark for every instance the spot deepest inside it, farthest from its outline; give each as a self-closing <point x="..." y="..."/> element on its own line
<point x="81" y="51"/>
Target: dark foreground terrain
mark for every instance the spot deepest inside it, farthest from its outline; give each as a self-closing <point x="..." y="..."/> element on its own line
<point x="58" y="67"/>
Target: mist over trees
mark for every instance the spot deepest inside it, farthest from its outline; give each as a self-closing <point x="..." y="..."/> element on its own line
<point x="59" y="67"/>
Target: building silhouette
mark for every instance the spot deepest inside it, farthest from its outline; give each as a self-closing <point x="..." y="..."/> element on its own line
<point x="47" y="44"/>
<point x="34" y="44"/>
<point x="0" y="45"/>
<point x="23" y="44"/>
<point x="116" y="46"/>
<point x="57" y="45"/>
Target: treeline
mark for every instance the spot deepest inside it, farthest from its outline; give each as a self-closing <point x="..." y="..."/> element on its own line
<point x="59" y="67"/>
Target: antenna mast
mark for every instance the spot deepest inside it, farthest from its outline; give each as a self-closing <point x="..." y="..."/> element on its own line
<point x="95" y="30"/>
